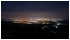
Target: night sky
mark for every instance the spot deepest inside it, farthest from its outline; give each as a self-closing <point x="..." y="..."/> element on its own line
<point x="35" y="9"/>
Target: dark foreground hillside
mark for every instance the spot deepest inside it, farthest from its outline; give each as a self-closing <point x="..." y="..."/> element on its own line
<point x="11" y="30"/>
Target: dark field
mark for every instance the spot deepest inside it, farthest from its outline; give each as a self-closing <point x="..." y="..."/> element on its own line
<point x="11" y="30"/>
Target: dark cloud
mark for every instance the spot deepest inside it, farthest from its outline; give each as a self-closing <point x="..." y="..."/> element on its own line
<point x="35" y="9"/>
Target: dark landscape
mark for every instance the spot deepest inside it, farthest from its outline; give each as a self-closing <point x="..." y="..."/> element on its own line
<point x="11" y="30"/>
<point x="34" y="19"/>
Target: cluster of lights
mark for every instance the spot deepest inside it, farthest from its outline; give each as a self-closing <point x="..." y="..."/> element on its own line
<point x="42" y="19"/>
